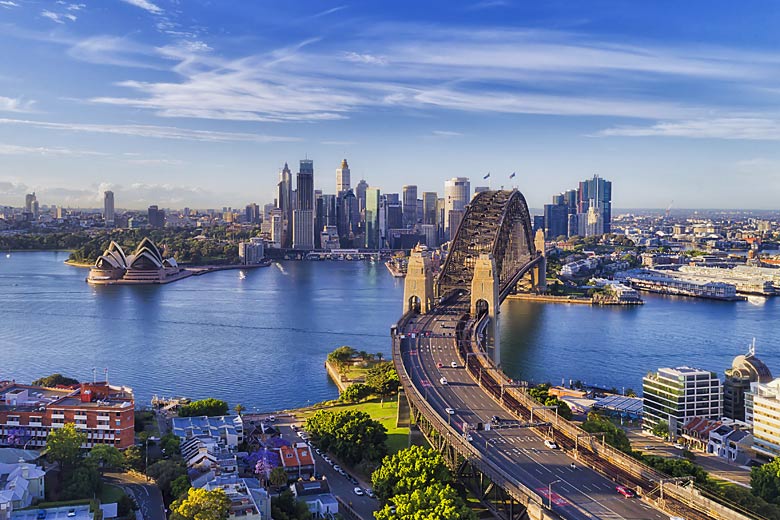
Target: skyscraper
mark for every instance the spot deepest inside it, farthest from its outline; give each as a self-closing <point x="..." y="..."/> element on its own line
<point x="429" y="199"/>
<point x="456" y="195"/>
<point x="252" y="213"/>
<point x="303" y="214"/>
<point x="360" y="193"/>
<point x="28" y="202"/>
<point x="409" y="194"/>
<point x="372" y="218"/>
<point x="108" y="207"/>
<point x="596" y="193"/>
<point x="342" y="178"/>
<point x="285" y="202"/>
<point x="156" y="217"/>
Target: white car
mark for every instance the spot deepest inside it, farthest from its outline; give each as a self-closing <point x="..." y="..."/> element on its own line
<point x="443" y="380"/>
<point x="449" y="410"/>
<point x="358" y="491"/>
<point x="679" y="446"/>
<point x="454" y="364"/>
<point x="550" y="444"/>
<point x="337" y="468"/>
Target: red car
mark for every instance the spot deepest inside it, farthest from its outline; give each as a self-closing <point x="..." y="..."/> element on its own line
<point x="439" y="365"/>
<point x="625" y="491"/>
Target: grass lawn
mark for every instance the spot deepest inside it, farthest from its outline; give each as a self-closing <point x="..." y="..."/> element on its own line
<point x="110" y="494"/>
<point x="397" y="438"/>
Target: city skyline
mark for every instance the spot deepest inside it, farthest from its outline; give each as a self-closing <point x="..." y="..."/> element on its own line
<point x="162" y="103"/>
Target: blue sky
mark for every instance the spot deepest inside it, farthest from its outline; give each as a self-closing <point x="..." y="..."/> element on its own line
<point x="199" y="103"/>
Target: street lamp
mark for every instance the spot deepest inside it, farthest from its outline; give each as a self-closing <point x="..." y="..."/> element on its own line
<point x="146" y="454"/>
<point x="549" y="493"/>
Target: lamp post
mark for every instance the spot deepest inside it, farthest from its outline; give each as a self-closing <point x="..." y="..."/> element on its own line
<point x="549" y="493"/>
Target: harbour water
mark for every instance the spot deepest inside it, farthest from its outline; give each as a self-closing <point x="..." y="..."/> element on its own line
<point x="261" y="341"/>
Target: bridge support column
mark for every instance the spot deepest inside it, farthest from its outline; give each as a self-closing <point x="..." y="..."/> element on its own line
<point x="539" y="273"/>
<point x="418" y="286"/>
<point x="485" y="298"/>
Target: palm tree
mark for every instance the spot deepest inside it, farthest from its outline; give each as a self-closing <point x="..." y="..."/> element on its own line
<point x="379" y="356"/>
<point x="239" y="408"/>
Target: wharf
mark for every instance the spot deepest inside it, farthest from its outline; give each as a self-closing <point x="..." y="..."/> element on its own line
<point x="582" y="300"/>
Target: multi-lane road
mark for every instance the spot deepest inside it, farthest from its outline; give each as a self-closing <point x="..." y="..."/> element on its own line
<point x="428" y="349"/>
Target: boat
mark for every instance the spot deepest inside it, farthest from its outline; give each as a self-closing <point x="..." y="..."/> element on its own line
<point x="241" y="275"/>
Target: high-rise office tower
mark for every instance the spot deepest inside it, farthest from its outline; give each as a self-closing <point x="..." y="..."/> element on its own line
<point x="360" y="193"/>
<point x="285" y="202"/>
<point x="596" y="193"/>
<point x="372" y="218"/>
<point x="252" y="213"/>
<point x="156" y="217"/>
<point x="108" y="207"/>
<point x="556" y="219"/>
<point x="429" y="199"/>
<point x="28" y="202"/>
<point x="409" y="194"/>
<point x="303" y="214"/>
<point x="346" y="212"/>
<point x="342" y="178"/>
<point x="456" y="195"/>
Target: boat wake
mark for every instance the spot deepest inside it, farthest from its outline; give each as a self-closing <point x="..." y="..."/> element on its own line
<point x="756" y="300"/>
<point x="281" y="267"/>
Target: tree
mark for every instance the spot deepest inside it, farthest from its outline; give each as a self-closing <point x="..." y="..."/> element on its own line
<point x="428" y="503"/>
<point x="239" y="408"/>
<point x="383" y="378"/>
<point x="661" y="429"/>
<point x="165" y="471"/>
<point x="341" y="357"/>
<point x="169" y="443"/>
<point x="278" y="477"/>
<point x="55" y="380"/>
<point x="84" y="481"/>
<point x="630" y="392"/>
<point x="613" y="435"/>
<point x="201" y="504"/>
<point x="355" y="393"/>
<point x="379" y="356"/>
<point x="765" y="481"/>
<point x="412" y="468"/>
<point x="351" y="435"/>
<point x="133" y="458"/>
<point x="209" y="407"/>
<point x="285" y="507"/>
<point x="63" y="445"/>
<point x="106" y="457"/>
<point x="179" y="486"/>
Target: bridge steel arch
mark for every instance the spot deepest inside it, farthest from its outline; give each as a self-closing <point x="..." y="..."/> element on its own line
<point x="498" y="223"/>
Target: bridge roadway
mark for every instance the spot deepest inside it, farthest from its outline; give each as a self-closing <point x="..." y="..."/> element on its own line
<point x="578" y="493"/>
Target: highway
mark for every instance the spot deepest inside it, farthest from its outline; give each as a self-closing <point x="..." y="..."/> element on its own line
<point x="574" y="492"/>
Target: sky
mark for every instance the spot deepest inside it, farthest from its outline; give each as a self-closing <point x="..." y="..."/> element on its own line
<point x="199" y="103"/>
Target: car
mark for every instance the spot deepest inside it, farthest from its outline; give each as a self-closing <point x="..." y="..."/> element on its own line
<point x="625" y="491"/>
<point x="550" y="444"/>
<point x="370" y="493"/>
<point x="495" y="419"/>
<point x="649" y="448"/>
<point x="679" y="446"/>
<point x="449" y="410"/>
<point x="337" y="468"/>
<point x="71" y="512"/>
<point x="300" y="433"/>
<point x="41" y="514"/>
<point x="439" y="365"/>
<point x="318" y="451"/>
<point x="469" y="437"/>
<point x="443" y="380"/>
<point x="327" y="459"/>
<point x="272" y="418"/>
<point x="342" y="472"/>
<point x="454" y="364"/>
<point x="358" y="491"/>
<point x="294" y="428"/>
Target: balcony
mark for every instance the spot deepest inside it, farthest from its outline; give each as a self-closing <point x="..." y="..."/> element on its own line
<point x="12" y="423"/>
<point x="103" y="426"/>
<point x="80" y="417"/>
<point x="58" y="416"/>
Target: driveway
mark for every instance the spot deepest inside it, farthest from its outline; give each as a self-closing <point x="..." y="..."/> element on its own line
<point x="146" y="495"/>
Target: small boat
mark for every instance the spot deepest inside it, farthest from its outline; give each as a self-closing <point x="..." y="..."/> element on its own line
<point x="241" y="275"/>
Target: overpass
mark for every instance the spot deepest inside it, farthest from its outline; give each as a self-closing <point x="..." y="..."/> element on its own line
<point x="517" y="456"/>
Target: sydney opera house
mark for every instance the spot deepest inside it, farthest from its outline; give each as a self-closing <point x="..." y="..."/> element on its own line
<point x="145" y="266"/>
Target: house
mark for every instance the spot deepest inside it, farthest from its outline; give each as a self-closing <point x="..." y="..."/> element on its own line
<point x="247" y="498"/>
<point x="730" y="442"/>
<point x="226" y="430"/>
<point x="297" y="461"/>
<point x="696" y="432"/>
<point x="205" y="453"/>
<point x="21" y="484"/>
<point x="317" y="495"/>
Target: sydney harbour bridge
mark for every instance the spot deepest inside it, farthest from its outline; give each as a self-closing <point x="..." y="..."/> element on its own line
<point x="517" y="456"/>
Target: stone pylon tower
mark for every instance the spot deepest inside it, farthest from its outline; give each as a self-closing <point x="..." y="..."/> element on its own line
<point x="539" y="272"/>
<point x="484" y="298"/>
<point x="418" y="286"/>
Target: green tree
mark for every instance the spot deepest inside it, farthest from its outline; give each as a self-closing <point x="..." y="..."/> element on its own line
<point x="613" y="435"/>
<point x="165" y="471"/>
<point x="106" y="457"/>
<point x="355" y="393"/>
<point x="133" y="458"/>
<point x="83" y="482"/>
<point x="412" y="468"/>
<point x="661" y="429"/>
<point x="278" y="477"/>
<point x="210" y="407"/>
<point x="239" y="408"/>
<point x="383" y="378"/>
<point x="63" y="445"/>
<point x="201" y="504"/>
<point x="429" y="503"/>
<point x="179" y="486"/>
<point x="341" y="357"/>
<point x="765" y="481"/>
<point x="169" y="443"/>
<point x="55" y="380"/>
<point x="350" y="435"/>
<point x="285" y="507"/>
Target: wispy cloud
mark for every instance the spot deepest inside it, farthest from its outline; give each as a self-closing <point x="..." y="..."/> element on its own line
<point x="145" y="5"/>
<point x="748" y="128"/>
<point x="12" y="149"/>
<point x="487" y="4"/>
<point x="8" y="4"/>
<point x="364" y="58"/>
<point x="115" y="50"/>
<point x="8" y="104"/>
<point x="149" y="162"/>
<point x="445" y="133"/>
<point x="338" y="143"/>
<point x="60" y="18"/>
<point x="329" y="11"/>
<point x="153" y="132"/>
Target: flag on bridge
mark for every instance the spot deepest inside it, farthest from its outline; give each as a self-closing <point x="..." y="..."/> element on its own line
<point x="513" y="175"/>
<point x="486" y="176"/>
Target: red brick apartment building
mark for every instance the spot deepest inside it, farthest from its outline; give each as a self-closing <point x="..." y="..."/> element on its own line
<point x="28" y="413"/>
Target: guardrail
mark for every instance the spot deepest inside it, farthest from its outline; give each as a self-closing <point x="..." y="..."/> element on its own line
<point x="514" y="488"/>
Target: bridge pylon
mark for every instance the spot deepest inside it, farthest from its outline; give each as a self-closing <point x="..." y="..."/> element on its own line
<point x="418" y="285"/>
<point x="485" y="299"/>
<point x="539" y="271"/>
